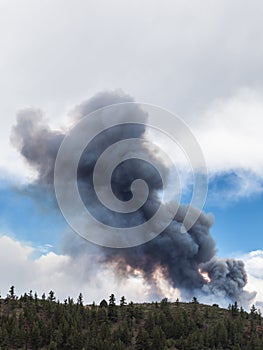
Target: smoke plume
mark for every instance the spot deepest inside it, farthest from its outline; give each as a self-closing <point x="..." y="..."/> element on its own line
<point x="183" y="259"/>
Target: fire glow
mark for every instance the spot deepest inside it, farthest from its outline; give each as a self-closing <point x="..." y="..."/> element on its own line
<point x="205" y="276"/>
<point x="164" y="286"/>
<point x="169" y="263"/>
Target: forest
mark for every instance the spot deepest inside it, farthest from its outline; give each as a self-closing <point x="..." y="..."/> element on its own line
<point x="33" y="322"/>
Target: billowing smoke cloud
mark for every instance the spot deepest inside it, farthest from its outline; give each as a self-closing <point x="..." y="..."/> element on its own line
<point x="228" y="277"/>
<point x="182" y="259"/>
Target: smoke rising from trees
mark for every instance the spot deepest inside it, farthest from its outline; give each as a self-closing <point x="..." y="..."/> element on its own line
<point x="181" y="258"/>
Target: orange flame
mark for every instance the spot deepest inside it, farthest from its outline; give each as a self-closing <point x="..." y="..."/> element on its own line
<point x="205" y="276"/>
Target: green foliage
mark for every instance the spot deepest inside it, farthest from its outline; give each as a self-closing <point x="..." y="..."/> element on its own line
<point x="112" y="310"/>
<point x="80" y="299"/>
<point x="123" y="301"/>
<point x="194" y="300"/>
<point x="11" y="294"/>
<point x="103" y="303"/>
<point x="31" y="323"/>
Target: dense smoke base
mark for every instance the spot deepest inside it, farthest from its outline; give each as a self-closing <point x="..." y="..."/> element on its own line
<point x="180" y="257"/>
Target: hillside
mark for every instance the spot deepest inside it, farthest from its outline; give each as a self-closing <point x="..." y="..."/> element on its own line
<point x="30" y="322"/>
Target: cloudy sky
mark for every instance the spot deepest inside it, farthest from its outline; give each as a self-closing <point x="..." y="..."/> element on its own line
<point x="201" y="60"/>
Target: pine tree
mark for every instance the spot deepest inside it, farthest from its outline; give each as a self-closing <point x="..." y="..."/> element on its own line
<point x="123" y="301"/>
<point x="253" y="311"/>
<point x="104" y="303"/>
<point x="80" y="299"/>
<point x="158" y="338"/>
<point x="112" y="310"/>
<point x="142" y="340"/>
<point x="51" y="296"/>
<point x="11" y="294"/>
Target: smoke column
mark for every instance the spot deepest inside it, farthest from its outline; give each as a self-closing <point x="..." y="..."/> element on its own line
<point x="181" y="258"/>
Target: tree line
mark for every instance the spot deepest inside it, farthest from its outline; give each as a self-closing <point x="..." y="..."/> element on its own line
<point x="33" y="322"/>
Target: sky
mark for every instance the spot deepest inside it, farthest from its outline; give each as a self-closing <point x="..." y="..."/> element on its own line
<point x="201" y="60"/>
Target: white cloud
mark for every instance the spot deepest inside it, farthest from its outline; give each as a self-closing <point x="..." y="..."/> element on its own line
<point x="63" y="274"/>
<point x="69" y="276"/>
<point x="174" y="54"/>
<point x="230" y="132"/>
<point x="254" y="266"/>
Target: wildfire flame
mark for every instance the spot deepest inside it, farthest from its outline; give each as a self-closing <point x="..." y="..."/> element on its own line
<point x="164" y="286"/>
<point x="205" y="276"/>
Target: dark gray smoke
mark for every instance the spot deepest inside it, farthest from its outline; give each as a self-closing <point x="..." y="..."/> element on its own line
<point x="228" y="277"/>
<point x="180" y="257"/>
